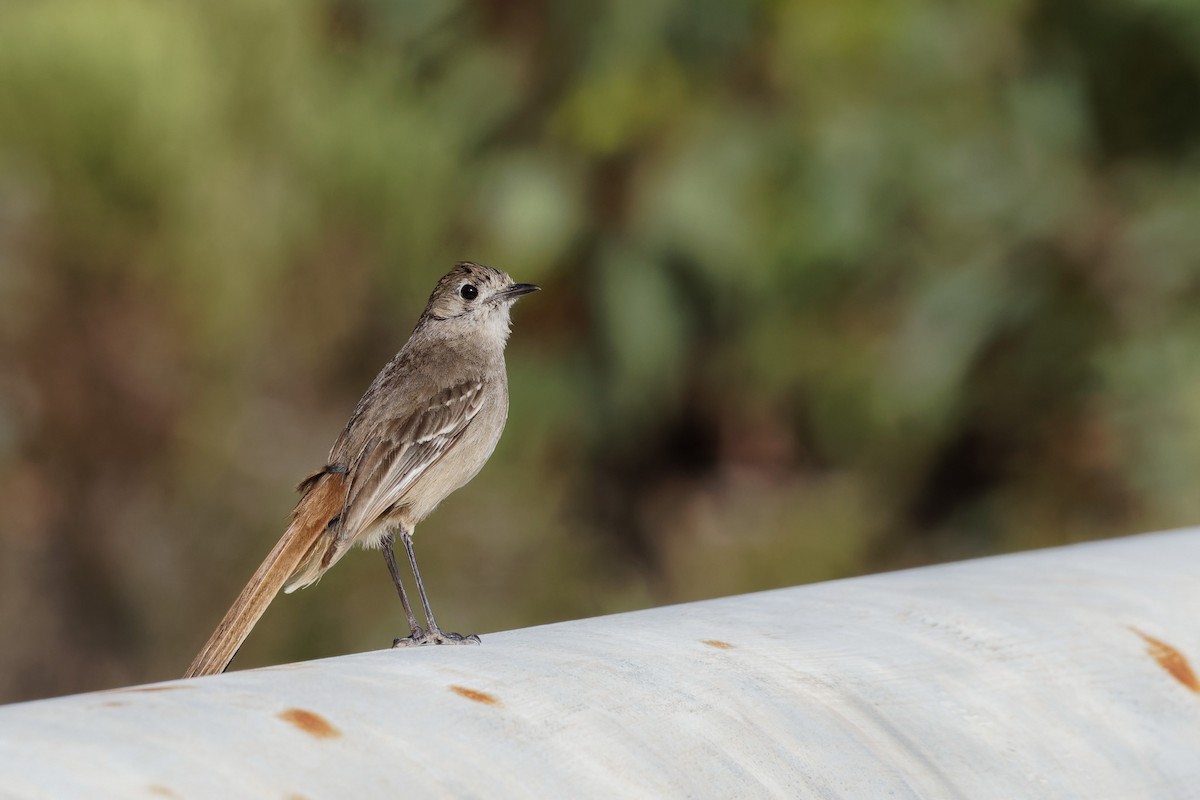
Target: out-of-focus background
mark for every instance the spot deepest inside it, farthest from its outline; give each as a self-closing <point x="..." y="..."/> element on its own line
<point x="830" y="288"/>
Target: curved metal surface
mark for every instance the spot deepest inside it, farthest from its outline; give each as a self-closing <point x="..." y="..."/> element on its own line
<point x="1059" y="673"/>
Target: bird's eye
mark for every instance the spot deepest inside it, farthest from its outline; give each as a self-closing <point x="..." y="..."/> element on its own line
<point x="468" y="292"/>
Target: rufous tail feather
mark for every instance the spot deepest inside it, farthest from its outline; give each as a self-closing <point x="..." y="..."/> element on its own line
<point x="322" y="501"/>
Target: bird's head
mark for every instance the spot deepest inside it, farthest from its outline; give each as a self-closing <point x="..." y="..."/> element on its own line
<point x="474" y="298"/>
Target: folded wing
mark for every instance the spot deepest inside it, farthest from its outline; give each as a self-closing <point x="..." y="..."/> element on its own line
<point x="398" y="453"/>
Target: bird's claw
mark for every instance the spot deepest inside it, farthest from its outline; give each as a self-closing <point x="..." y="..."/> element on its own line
<point x="420" y="637"/>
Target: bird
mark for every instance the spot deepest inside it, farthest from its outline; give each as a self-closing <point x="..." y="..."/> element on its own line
<point x="424" y="427"/>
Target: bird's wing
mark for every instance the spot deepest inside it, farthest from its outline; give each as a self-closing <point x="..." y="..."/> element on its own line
<point x="402" y="449"/>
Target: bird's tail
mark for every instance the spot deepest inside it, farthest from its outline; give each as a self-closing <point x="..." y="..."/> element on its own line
<point x="324" y="496"/>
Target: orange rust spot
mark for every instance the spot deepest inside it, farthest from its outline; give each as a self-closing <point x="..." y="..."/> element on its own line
<point x="160" y="790"/>
<point x="717" y="643"/>
<point x="148" y="689"/>
<point x="309" y="722"/>
<point x="113" y="704"/>
<point x="1171" y="660"/>
<point x="476" y="695"/>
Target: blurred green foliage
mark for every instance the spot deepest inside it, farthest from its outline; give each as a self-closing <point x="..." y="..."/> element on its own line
<point x="830" y="288"/>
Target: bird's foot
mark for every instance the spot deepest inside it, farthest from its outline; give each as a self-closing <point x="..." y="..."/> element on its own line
<point x="420" y="636"/>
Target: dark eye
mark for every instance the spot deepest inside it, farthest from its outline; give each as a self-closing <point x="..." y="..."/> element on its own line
<point x="468" y="292"/>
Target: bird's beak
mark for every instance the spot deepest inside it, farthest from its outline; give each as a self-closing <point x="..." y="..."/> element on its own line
<point x="518" y="289"/>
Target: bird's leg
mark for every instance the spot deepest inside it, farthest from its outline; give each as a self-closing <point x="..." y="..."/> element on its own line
<point x="389" y="556"/>
<point x="434" y="635"/>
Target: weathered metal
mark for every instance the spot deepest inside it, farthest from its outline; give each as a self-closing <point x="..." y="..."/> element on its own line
<point x="1052" y="674"/>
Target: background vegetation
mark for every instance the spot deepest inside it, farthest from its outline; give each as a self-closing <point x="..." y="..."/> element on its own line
<point x="830" y="288"/>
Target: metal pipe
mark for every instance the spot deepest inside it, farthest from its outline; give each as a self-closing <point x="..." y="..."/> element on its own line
<point x="1059" y="673"/>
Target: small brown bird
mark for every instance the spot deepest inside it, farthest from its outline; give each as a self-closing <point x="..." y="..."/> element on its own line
<point x="426" y="425"/>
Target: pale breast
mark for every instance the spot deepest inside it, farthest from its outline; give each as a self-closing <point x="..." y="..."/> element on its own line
<point x="463" y="461"/>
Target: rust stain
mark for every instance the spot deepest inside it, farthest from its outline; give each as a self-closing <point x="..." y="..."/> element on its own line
<point x="310" y="722"/>
<point x="160" y="791"/>
<point x="476" y="695"/>
<point x="113" y="704"/>
<point x="1171" y="660"/>
<point x="149" y="689"/>
<point x="717" y="643"/>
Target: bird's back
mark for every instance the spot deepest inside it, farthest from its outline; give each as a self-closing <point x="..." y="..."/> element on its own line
<point x="424" y="428"/>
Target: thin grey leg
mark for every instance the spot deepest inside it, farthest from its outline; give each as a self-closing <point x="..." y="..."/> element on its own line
<point x="435" y="634"/>
<point x="390" y="557"/>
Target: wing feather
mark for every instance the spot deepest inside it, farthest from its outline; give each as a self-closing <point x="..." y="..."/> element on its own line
<point x="404" y="449"/>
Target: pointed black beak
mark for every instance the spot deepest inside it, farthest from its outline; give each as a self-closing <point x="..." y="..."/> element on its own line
<point x="518" y="289"/>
